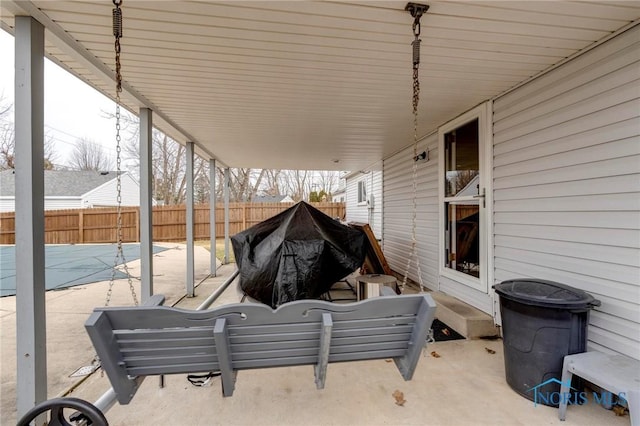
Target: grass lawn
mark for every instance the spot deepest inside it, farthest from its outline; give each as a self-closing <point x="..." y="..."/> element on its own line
<point x="219" y="248"/>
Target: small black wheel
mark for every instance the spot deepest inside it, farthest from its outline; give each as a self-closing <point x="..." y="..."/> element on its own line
<point x="85" y="410"/>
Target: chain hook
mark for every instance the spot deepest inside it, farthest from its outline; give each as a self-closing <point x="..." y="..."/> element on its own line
<point x="416" y="10"/>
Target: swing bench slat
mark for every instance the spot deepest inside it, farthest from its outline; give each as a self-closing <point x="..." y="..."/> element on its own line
<point x="135" y="342"/>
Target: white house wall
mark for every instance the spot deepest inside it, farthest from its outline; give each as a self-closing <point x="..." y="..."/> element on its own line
<point x="398" y="211"/>
<point x="106" y="194"/>
<point x="567" y="185"/>
<point x="62" y="203"/>
<point x="361" y="212"/>
<point x="338" y="198"/>
<point x="7" y="204"/>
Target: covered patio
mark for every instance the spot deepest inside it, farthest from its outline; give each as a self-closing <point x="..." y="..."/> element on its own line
<point x="456" y="382"/>
<point x="311" y="85"/>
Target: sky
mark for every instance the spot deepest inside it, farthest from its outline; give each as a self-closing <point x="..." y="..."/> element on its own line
<point x="72" y="110"/>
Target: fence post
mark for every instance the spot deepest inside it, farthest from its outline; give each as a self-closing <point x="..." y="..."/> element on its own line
<point x="138" y="224"/>
<point x="81" y="227"/>
<point x="244" y="216"/>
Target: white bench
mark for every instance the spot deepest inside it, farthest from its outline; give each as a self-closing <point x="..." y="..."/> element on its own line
<point x="618" y="374"/>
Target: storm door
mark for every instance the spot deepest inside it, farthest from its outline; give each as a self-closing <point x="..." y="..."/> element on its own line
<point x="463" y="203"/>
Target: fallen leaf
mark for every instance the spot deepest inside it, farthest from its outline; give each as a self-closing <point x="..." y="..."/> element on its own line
<point x="399" y="396"/>
<point x="388" y="360"/>
<point x="491" y="351"/>
<point x="619" y="410"/>
<point x="435" y="354"/>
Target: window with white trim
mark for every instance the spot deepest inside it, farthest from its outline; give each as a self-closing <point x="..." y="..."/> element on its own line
<point x="362" y="192"/>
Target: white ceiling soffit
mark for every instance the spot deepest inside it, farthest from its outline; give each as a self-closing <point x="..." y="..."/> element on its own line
<point x="313" y="85"/>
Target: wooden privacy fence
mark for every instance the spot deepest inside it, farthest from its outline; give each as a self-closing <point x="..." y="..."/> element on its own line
<point x="169" y="222"/>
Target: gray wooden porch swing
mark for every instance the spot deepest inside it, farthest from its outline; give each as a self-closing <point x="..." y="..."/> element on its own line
<point x="140" y="341"/>
<point x="135" y="342"/>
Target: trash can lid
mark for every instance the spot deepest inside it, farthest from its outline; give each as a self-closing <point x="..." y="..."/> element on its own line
<point x="545" y="293"/>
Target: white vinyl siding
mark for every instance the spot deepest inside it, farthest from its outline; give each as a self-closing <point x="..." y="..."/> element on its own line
<point x="369" y="211"/>
<point x="567" y="185"/>
<point x="106" y="194"/>
<point x="339" y="197"/>
<point x="50" y="203"/>
<point x="355" y="212"/>
<point x="62" y="203"/>
<point x="398" y="211"/>
<point x="7" y="204"/>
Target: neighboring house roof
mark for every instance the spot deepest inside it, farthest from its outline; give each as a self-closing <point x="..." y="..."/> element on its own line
<point x="271" y="199"/>
<point x="60" y="183"/>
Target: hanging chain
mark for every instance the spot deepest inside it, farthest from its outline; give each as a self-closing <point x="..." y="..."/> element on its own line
<point x="416" y="13"/>
<point x="117" y="33"/>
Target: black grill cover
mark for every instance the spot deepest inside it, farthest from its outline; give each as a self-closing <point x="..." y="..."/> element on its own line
<point x="297" y="254"/>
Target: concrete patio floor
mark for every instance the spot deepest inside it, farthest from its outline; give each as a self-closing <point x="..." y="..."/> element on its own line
<point x="464" y="385"/>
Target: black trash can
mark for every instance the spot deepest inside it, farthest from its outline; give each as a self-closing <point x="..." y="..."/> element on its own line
<point x="542" y="321"/>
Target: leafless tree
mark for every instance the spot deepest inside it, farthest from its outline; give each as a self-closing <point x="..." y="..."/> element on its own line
<point x="297" y="183"/>
<point x="244" y="184"/>
<point x="7" y="136"/>
<point x="201" y="189"/>
<point x="168" y="165"/>
<point x="8" y="140"/>
<point x="5" y="108"/>
<point x="88" y="155"/>
<point x="7" y="146"/>
<point x="327" y="181"/>
<point x="271" y="184"/>
<point x="50" y="154"/>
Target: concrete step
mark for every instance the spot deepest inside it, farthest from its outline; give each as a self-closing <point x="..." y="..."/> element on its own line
<point x="470" y="322"/>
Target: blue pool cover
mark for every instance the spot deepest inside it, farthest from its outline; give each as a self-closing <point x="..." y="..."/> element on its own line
<point x="69" y="265"/>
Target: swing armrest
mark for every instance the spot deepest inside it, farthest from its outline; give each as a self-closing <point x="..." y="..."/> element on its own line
<point x="102" y="336"/>
<point x="104" y="341"/>
<point x="155" y="300"/>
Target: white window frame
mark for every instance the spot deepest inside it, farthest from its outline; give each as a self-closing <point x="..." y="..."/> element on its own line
<point x="362" y="192"/>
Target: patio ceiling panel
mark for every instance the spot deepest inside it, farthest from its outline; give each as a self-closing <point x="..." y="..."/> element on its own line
<point x="290" y="84"/>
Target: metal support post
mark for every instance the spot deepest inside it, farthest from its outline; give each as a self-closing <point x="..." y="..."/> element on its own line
<point x="227" y="173"/>
<point x="212" y="216"/>
<point x="29" y="227"/>
<point x="146" y="204"/>
<point x="190" y="223"/>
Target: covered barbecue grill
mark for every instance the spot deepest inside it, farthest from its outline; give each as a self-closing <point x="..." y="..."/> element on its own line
<point x="297" y="254"/>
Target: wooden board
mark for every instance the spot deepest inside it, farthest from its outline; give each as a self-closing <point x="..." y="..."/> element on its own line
<point x="374" y="262"/>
